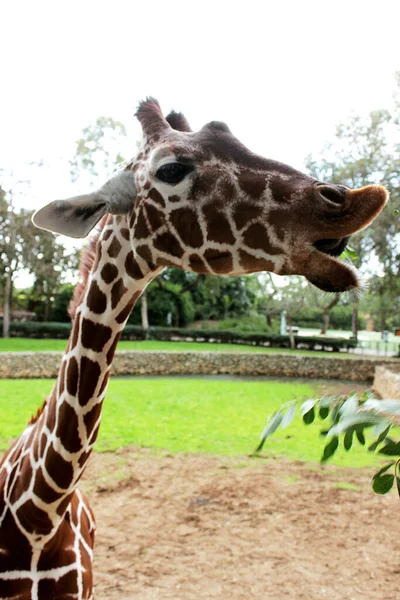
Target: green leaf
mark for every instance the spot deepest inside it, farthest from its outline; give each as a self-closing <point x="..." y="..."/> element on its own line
<point x="349" y="407"/>
<point x="384" y="469"/>
<point x="307" y="406"/>
<point x="383" y="433"/>
<point x="327" y="401"/>
<point x="396" y="212"/>
<point x="288" y="416"/>
<point x="271" y="426"/>
<point x="357" y="421"/>
<point x="390" y="406"/>
<point x="323" y="412"/>
<point x="390" y="448"/>
<point x="309" y="417"/>
<point x="383" y="485"/>
<point x="349" y="253"/>
<point x="398" y="484"/>
<point x="348" y="439"/>
<point x="360" y="436"/>
<point x="330" y="449"/>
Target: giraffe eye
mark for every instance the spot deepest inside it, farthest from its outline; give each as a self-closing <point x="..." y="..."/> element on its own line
<point x="173" y="173"/>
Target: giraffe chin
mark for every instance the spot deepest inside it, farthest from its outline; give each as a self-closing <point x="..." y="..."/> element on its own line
<point x="331" y="274"/>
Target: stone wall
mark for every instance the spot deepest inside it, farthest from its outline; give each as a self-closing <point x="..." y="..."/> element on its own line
<point x="387" y="381"/>
<point x="46" y="364"/>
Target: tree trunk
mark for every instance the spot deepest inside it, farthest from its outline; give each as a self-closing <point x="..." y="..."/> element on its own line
<point x="291" y="334"/>
<point x="144" y="313"/>
<point x="7" y="305"/>
<point x="325" y="321"/>
<point x="354" y="320"/>
<point x="47" y="306"/>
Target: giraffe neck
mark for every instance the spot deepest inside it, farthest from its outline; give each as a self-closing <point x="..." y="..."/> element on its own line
<point x="52" y="453"/>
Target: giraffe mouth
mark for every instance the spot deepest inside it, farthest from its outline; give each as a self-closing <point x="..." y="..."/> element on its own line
<point x="332" y="246"/>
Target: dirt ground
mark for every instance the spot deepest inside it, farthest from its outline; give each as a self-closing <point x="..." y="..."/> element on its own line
<point x="199" y="527"/>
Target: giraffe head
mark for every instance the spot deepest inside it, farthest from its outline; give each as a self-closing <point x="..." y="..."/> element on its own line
<point x="203" y="202"/>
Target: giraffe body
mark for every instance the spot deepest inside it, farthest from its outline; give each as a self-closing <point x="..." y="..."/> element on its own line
<point x="198" y="201"/>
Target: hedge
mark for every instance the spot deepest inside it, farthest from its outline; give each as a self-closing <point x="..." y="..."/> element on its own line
<point x="133" y="332"/>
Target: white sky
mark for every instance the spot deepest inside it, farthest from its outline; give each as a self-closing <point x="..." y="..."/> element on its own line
<point x="281" y="74"/>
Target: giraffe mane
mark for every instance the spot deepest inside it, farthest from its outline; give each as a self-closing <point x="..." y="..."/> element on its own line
<point x="86" y="264"/>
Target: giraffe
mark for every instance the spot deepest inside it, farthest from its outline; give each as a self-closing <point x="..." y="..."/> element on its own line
<point x="199" y="201"/>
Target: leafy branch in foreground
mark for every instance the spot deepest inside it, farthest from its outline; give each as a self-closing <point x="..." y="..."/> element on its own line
<point x="347" y="418"/>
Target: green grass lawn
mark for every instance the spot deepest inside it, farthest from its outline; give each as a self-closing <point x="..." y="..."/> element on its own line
<point x="33" y="345"/>
<point x="186" y="415"/>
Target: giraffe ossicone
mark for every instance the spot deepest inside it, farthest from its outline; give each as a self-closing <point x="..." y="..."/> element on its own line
<point x="196" y="200"/>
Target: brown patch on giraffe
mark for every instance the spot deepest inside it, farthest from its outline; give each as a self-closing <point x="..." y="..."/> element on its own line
<point x="96" y="299"/>
<point x="90" y="374"/>
<point x="22" y="482"/>
<point x="62" y="507"/>
<point x="251" y="263"/>
<point x="114" y="248"/>
<point x="60" y="470"/>
<point x="64" y="587"/>
<point x="34" y="519"/>
<point x="198" y="265"/>
<point x="97" y="258"/>
<point x="108" y="273"/>
<point x="61" y="377"/>
<point x="105" y="380"/>
<point x="91" y="418"/>
<point x="19" y="552"/>
<point x="156" y="197"/>
<point x="83" y="458"/>
<point x="118" y="290"/>
<point x="95" y="335"/>
<point x="107" y="234"/>
<point x="94" y="435"/>
<point x="166" y="242"/>
<point x="68" y="428"/>
<point x="244" y="213"/>
<point x="155" y="217"/>
<point x="118" y="219"/>
<point x="227" y="190"/>
<point x="125" y="233"/>
<point x="256" y="236"/>
<point x="145" y="253"/>
<point x="253" y="184"/>
<point x="186" y="222"/>
<point x="131" y="267"/>
<point x="75" y="331"/>
<point x="218" y="228"/>
<point x="219" y="262"/>
<point x="72" y="376"/>
<point x="20" y="588"/>
<point x="125" y="312"/>
<point x="111" y="350"/>
<point x="43" y="490"/>
<point x="276" y="219"/>
<point x="51" y="417"/>
<point x="174" y="198"/>
<point x="146" y="185"/>
<point x="42" y="444"/>
<point x="141" y="227"/>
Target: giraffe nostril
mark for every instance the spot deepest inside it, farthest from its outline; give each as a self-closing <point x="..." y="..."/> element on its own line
<point x="333" y="194"/>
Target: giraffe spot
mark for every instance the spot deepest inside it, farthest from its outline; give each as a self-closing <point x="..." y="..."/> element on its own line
<point x="75" y="331"/>
<point x="114" y="248"/>
<point x="65" y="586"/>
<point x="94" y="435"/>
<point x="173" y="198"/>
<point x="132" y="268"/>
<point x="68" y="428"/>
<point x="96" y="299"/>
<point x="278" y="221"/>
<point x="125" y="312"/>
<point x="43" y="490"/>
<point x="155" y="217"/>
<point x="84" y="458"/>
<point x="125" y="233"/>
<point x="42" y="444"/>
<point x="256" y="236"/>
<point x="91" y="418"/>
<point x="227" y="190"/>
<point x="245" y="212"/>
<point x="18" y="556"/>
<point x="186" y="223"/>
<point x="156" y="197"/>
<point x="108" y="273"/>
<point x="219" y="262"/>
<point x="147" y="185"/>
<point x="62" y="507"/>
<point x="166" y="242"/>
<point x="72" y="377"/>
<point x="145" y="253"/>
<point x="20" y="588"/>
<point x="95" y="335"/>
<point x="22" y="482"/>
<point x="97" y="257"/>
<point x="106" y="234"/>
<point x="105" y="381"/>
<point x="118" y="290"/>
<point x="198" y="265"/>
<point x="67" y="555"/>
<point x="90" y="374"/>
<point x="60" y="470"/>
<point x="141" y="227"/>
<point x="218" y="228"/>
<point x="33" y="520"/>
<point x="253" y="184"/>
<point x="111" y="350"/>
<point x="252" y="263"/>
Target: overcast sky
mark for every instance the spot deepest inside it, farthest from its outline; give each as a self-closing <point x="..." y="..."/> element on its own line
<point x="281" y="74"/>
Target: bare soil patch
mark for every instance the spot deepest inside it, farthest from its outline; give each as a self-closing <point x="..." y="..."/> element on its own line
<point x="192" y="526"/>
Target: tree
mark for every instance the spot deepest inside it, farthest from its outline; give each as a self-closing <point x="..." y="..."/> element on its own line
<point x="325" y="302"/>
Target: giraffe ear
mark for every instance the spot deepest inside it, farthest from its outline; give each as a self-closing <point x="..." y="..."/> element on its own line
<point x="76" y="217"/>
